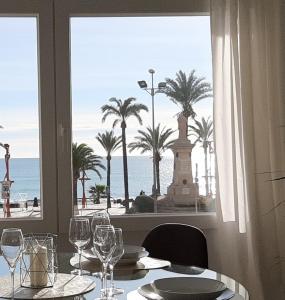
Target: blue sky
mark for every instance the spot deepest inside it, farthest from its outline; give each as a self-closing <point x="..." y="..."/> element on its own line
<point x="108" y="57"/>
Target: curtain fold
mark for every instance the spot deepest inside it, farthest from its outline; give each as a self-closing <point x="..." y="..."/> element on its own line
<point x="249" y="136"/>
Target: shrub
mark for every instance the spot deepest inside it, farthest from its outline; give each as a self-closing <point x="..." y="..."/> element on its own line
<point x="143" y="204"/>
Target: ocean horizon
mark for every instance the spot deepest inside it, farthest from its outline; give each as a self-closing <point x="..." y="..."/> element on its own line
<point x="25" y="172"/>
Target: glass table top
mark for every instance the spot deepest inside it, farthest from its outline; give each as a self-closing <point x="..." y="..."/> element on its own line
<point x="130" y="280"/>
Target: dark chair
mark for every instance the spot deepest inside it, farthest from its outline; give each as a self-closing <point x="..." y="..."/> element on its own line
<point x="181" y="244"/>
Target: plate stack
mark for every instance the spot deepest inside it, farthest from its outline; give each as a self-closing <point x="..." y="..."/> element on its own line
<point x="183" y="288"/>
<point x="132" y="254"/>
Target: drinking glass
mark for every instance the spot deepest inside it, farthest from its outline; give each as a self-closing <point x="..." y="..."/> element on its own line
<point x="100" y="218"/>
<point x="12" y="245"/>
<point x="104" y="242"/>
<point x="79" y="236"/>
<point x="117" y="254"/>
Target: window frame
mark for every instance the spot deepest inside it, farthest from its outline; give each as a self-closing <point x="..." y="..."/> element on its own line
<point x="43" y="10"/>
<point x="64" y="10"/>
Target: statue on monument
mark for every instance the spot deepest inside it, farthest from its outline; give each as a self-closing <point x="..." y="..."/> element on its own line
<point x="182" y="126"/>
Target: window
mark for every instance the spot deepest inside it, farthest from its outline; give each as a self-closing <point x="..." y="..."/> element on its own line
<point x="27" y="116"/>
<point x="19" y="118"/>
<point x="109" y="55"/>
<point x="65" y="82"/>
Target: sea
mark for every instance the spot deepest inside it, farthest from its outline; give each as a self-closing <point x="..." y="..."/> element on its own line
<point x="25" y="172"/>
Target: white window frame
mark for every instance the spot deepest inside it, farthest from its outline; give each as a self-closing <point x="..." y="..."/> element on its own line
<point x="64" y="9"/>
<point x="43" y="10"/>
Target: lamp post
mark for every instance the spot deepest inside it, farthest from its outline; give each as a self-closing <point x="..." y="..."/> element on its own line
<point x="152" y="91"/>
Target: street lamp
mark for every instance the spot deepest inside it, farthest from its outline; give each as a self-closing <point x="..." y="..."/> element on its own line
<point x="152" y="91"/>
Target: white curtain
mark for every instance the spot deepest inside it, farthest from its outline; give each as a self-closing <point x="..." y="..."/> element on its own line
<point x="249" y="135"/>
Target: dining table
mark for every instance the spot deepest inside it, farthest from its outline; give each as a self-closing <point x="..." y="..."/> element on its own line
<point x="131" y="279"/>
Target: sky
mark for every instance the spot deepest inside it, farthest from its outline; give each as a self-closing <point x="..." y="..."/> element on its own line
<point x="108" y="57"/>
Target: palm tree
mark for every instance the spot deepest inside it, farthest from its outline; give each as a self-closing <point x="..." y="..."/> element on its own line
<point x="110" y="143"/>
<point x="97" y="190"/>
<point x="83" y="160"/>
<point x="204" y="133"/>
<point x="122" y="110"/>
<point x="92" y="191"/>
<point x="144" y="142"/>
<point x="186" y="91"/>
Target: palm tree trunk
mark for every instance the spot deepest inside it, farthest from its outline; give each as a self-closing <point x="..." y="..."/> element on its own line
<point x="75" y="190"/>
<point x="98" y="197"/>
<point x="109" y="181"/>
<point x="206" y="170"/>
<point x="186" y="115"/>
<point x="83" y="201"/>
<point x="157" y="176"/>
<point x="125" y="165"/>
<point x="7" y="207"/>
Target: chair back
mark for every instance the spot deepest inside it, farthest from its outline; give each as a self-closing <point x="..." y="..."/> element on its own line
<point x="180" y="244"/>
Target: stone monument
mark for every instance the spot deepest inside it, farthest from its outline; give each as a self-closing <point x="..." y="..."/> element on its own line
<point x="182" y="191"/>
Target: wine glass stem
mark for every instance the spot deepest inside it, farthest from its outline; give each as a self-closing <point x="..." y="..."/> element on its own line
<point x="105" y="278"/>
<point x="102" y="285"/>
<point x="80" y="266"/>
<point x="12" y="271"/>
<point x="111" y="267"/>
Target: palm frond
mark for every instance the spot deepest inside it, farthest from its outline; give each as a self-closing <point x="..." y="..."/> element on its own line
<point x="109" y="110"/>
<point x="186" y="91"/>
<point x="83" y="159"/>
<point x="203" y="131"/>
<point x="144" y="141"/>
<point x="123" y="109"/>
<point x="109" y="141"/>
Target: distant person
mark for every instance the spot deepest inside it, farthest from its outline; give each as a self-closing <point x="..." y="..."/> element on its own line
<point x="36" y="202"/>
<point x="142" y="193"/>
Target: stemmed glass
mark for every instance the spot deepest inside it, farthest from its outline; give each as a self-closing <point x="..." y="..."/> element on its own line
<point x="104" y="242"/>
<point x="117" y="254"/>
<point x="12" y="245"/>
<point x="99" y="218"/>
<point x="79" y="236"/>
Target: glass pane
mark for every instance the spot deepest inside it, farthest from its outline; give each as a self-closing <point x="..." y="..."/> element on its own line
<point x="108" y="58"/>
<point x="19" y="117"/>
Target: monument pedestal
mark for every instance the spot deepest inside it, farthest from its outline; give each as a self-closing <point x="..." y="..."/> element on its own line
<point x="182" y="191"/>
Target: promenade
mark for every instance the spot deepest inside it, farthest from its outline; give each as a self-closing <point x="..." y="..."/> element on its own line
<point x="90" y="208"/>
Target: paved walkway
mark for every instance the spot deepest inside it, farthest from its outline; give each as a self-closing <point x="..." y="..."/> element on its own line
<point x="116" y="209"/>
<point x="35" y="212"/>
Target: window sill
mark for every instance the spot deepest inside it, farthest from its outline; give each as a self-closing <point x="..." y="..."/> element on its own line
<point x="145" y="222"/>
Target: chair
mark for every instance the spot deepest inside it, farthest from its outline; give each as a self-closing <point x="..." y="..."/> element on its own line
<point x="180" y="244"/>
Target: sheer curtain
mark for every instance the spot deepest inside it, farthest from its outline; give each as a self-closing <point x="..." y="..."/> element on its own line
<point x="249" y="135"/>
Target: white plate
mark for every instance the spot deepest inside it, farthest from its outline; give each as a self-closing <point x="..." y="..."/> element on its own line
<point x="148" y="292"/>
<point x="132" y="251"/>
<point x="188" y="288"/>
<point x="132" y="260"/>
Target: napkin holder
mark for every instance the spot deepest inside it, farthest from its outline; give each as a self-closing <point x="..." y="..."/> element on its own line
<point x="38" y="267"/>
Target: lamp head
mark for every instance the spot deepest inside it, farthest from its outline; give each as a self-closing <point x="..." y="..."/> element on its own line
<point x="151" y="71"/>
<point x="142" y="84"/>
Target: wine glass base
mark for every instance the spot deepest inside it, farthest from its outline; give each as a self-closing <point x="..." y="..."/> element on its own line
<point x="77" y="272"/>
<point x="115" y="291"/>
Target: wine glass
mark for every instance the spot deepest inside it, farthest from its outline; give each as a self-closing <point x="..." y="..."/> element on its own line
<point x="99" y="218"/>
<point x="117" y="254"/>
<point x="79" y="236"/>
<point x="12" y="245"/>
<point x="104" y="242"/>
